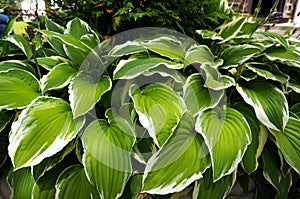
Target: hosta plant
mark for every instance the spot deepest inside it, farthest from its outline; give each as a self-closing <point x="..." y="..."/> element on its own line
<point x="150" y="112"/>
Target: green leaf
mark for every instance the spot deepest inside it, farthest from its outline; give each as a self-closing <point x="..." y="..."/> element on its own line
<point x="166" y="47"/>
<point x="166" y="72"/>
<point x="3" y="149"/>
<point x="296" y="109"/>
<point x="199" y="54"/>
<point x="17" y="88"/>
<point x="15" y="64"/>
<point x="273" y="37"/>
<point x="73" y="183"/>
<point x="52" y="26"/>
<point x="21" y="182"/>
<point x="58" y="77"/>
<point x="85" y="92"/>
<point x="294" y="85"/>
<point x="230" y="30"/>
<point x="269" y="103"/>
<point x="272" y="171"/>
<point x="227" y="135"/>
<point x="288" y="141"/>
<point x="181" y="160"/>
<point x="5" y="118"/>
<point x="259" y="137"/>
<point x="215" y="80"/>
<point x="106" y="157"/>
<point x="77" y="28"/>
<point x="10" y="26"/>
<point x="44" y="128"/>
<point x="128" y="69"/>
<point x="197" y="97"/>
<point x="238" y="54"/>
<point x="127" y="48"/>
<point x="75" y="54"/>
<point x="207" y="188"/>
<point x="288" y="56"/>
<point x="159" y="109"/>
<point x="50" y="62"/>
<point x="21" y="43"/>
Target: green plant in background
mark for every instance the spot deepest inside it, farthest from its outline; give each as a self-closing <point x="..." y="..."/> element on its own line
<point x="80" y="119"/>
<point x="110" y="17"/>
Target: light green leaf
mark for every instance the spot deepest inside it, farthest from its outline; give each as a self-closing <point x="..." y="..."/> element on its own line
<point x="167" y="47"/>
<point x="106" y="157"/>
<point x="181" y="160"/>
<point x="127" y="48"/>
<point x="21" y="43"/>
<point x="159" y="109"/>
<point x="288" y="141"/>
<point x="238" y="54"/>
<point x="17" y="88"/>
<point x="199" y="54"/>
<point x="166" y="72"/>
<point x="85" y="92"/>
<point x="227" y="135"/>
<point x="197" y="97"/>
<point x="73" y="183"/>
<point x="295" y="86"/>
<point x="288" y="56"/>
<point x="230" y="30"/>
<point x="75" y="54"/>
<point x="15" y="64"/>
<point x="58" y="77"/>
<point x="268" y="102"/>
<point x="207" y="188"/>
<point x="21" y="182"/>
<point x="77" y="28"/>
<point x="50" y="62"/>
<point x="271" y="72"/>
<point x="259" y="137"/>
<point x="52" y="26"/>
<point x="44" y="128"/>
<point x="273" y="37"/>
<point x="128" y="69"/>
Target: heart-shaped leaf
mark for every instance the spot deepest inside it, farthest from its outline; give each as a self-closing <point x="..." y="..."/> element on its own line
<point x="179" y="162"/>
<point x="227" y="135"/>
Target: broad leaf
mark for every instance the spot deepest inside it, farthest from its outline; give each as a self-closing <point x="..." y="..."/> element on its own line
<point x="296" y="109"/>
<point x="21" y="182"/>
<point x="238" y="54"/>
<point x="17" y="88"/>
<point x="259" y="137"/>
<point x="215" y="80"/>
<point x="75" y="54"/>
<point x="85" y="92"/>
<point x="21" y="43"/>
<point x="50" y="62"/>
<point x="274" y="37"/>
<point x="166" y="72"/>
<point x="179" y="162"/>
<point x="230" y="30"/>
<point x="207" y="188"/>
<point x="15" y="64"/>
<point x="227" y="135"/>
<point x="106" y="157"/>
<point x="288" y="141"/>
<point x="268" y="102"/>
<point x="128" y="69"/>
<point x="58" y="77"/>
<point x="127" y="48"/>
<point x="73" y="183"/>
<point x="42" y="130"/>
<point x="167" y="47"/>
<point x="199" y="54"/>
<point x="288" y="56"/>
<point x="77" y="28"/>
<point x="159" y="109"/>
<point x="197" y="97"/>
<point x="52" y="26"/>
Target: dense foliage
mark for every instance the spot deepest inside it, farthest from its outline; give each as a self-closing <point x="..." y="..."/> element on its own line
<point x="149" y="111"/>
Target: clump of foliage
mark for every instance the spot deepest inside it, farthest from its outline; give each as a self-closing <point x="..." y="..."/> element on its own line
<point x="110" y="17"/>
<point x="158" y="114"/>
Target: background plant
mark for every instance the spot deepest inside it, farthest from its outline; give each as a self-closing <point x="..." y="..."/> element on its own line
<point x="58" y="105"/>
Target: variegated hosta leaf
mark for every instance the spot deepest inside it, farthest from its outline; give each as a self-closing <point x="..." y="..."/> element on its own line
<point x="50" y="62"/>
<point x="166" y="72"/>
<point x="197" y="97"/>
<point x="128" y="69"/>
<point x="227" y="135"/>
<point x="181" y="160"/>
<point x="215" y="80"/>
<point x="78" y="28"/>
<point x="230" y="30"/>
<point x="127" y="48"/>
<point x="166" y="47"/>
<point x="199" y="54"/>
<point x="273" y="37"/>
<point x="268" y="102"/>
<point x="21" y="182"/>
<point x="44" y="128"/>
<point x="238" y="54"/>
<point x="15" y="64"/>
<point x="58" y="77"/>
<point x="296" y="109"/>
<point x="207" y="188"/>
<point x="259" y="137"/>
<point x="17" y="88"/>
<point x="19" y="41"/>
<point x="85" y="92"/>
<point x="288" y="141"/>
<point x="106" y="157"/>
<point x="288" y="56"/>
<point x="73" y="183"/>
<point x="159" y="109"/>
